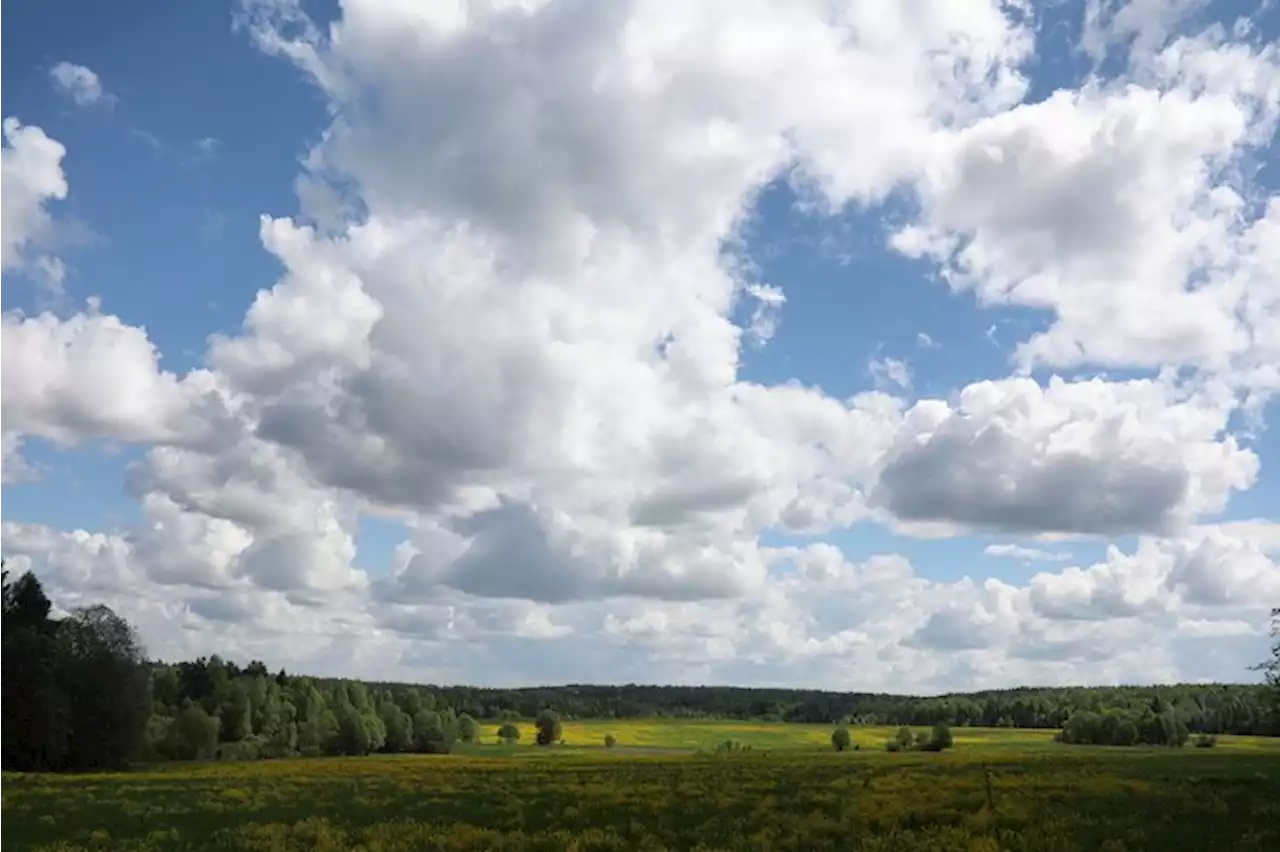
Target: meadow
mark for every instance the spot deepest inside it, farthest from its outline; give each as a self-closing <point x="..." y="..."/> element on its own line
<point x="664" y="787"/>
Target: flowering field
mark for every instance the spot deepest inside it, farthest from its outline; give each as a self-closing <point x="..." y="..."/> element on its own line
<point x="998" y="789"/>
<point x="683" y="735"/>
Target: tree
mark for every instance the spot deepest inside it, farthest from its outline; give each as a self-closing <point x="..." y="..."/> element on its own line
<point x="548" y="727"/>
<point x="610" y="741"/>
<point x="1271" y="670"/>
<point x="193" y="735"/>
<point x="508" y="734"/>
<point x="102" y="672"/>
<point x="430" y="734"/>
<point x="904" y="738"/>
<point x="36" y="716"/>
<point x="468" y="730"/>
<point x="840" y="739"/>
<point x="399" y="727"/>
<point x="941" y="738"/>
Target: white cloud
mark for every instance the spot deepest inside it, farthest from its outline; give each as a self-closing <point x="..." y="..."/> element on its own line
<point x="1043" y="205"/>
<point x="819" y="619"/>
<point x="31" y="174"/>
<point x="79" y="84"/>
<point x="92" y="376"/>
<point x="511" y="325"/>
<point x="890" y="373"/>
<point x="1080" y="457"/>
<point x="207" y="149"/>
<point x="1027" y="554"/>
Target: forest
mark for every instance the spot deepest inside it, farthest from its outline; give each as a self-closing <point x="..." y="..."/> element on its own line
<point x="81" y="694"/>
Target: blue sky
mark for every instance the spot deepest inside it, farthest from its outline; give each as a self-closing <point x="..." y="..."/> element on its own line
<point x="199" y="128"/>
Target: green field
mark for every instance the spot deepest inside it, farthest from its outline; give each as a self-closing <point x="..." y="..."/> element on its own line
<point x="997" y="789"/>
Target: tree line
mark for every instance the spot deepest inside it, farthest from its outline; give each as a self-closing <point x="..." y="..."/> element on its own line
<point x="79" y="694"/>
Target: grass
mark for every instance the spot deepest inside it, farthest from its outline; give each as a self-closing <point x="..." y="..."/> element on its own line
<point x="998" y="789"/>
<point x="682" y="735"/>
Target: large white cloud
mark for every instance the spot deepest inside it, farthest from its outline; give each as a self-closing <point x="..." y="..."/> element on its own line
<point x="506" y="314"/>
<point x="1125" y="209"/>
<point x="1082" y="457"/>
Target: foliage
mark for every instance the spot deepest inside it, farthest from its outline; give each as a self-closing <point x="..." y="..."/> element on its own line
<point x="509" y="733"/>
<point x="549" y="730"/>
<point x="1207" y="708"/>
<point x="1206" y="741"/>
<point x="1271" y="671"/>
<point x="610" y="741"/>
<point x="841" y="739"/>
<point x="937" y="739"/>
<point x="468" y="730"/>
<point x="1061" y="799"/>
<point x="731" y="747"/>
<point x="75" y="689"/>
<point x="1154" y="725"/>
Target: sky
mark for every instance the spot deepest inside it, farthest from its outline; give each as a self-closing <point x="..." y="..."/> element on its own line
<point x="897" y="346"/>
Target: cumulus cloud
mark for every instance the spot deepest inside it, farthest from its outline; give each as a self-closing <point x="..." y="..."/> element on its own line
<point x="31" y="174"/>
<point x="79" y="84"/>
<point x="507" y="316"/>
<point x="1042" y="206"/>
<point x="1074" y="457"/>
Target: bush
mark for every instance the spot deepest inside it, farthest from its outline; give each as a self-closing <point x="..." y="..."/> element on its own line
<point x="731" y="747"/>
<point x="549" y="728"/>
<point x="840" y="739"/>
<point x="904" y="737"/>
<point x="468" y="730"/>
<point x="1206" y="741"/>
<point x="941" y="737"/>
<point x="508" y="734"/>
<point x="610" y="741"/>
<point x="894" y="745"/>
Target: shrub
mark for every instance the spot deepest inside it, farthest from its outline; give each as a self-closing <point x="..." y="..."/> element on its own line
<point x="941" y="737"/>
<point x="894" y="745"/>
<point x="1206" y="741"/>
<point x="508" y="734"/>
<point x="840" y="739"/>
<point x="731" y="747"/>
<point x="610" y="741"/>
<point x="468" y="730"/>
<point x="904" y="737"/>
<point x="549" y="728"/>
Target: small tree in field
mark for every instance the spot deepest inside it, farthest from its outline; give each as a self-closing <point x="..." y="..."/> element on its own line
<point x="904" y="737"/>
<point x="840" y="739"/>
<point x="509" y="734"/>
<point x="468" y="730"/>
<point x="549" y="729"/>
<point x="610" y="741"/>
<point x="941" y="738"/>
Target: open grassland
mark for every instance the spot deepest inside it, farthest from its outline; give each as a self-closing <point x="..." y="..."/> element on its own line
<point x="996" y="790"/>
<point x="681" y="735"/>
